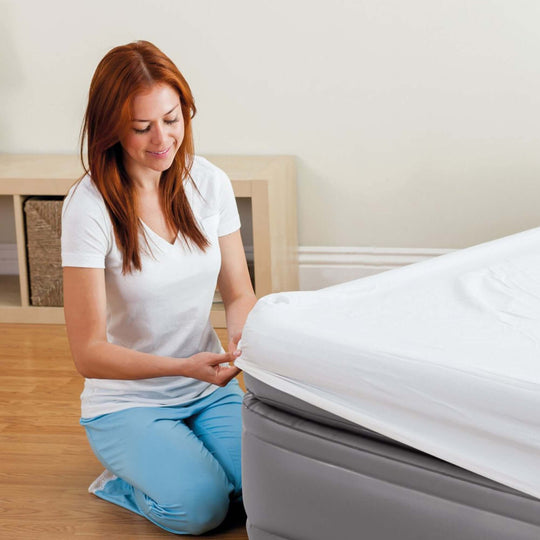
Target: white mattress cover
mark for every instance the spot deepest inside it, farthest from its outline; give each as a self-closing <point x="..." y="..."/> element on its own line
<point x="442" y="355"/>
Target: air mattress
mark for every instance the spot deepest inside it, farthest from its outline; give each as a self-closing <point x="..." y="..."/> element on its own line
<point x="310" y="475"/>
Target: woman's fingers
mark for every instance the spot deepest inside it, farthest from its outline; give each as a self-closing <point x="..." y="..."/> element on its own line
<point x="224" y="371"/>
<point x="225" y="374"/>
<point x="214" y="368"/>
<point x="233" y="342"/>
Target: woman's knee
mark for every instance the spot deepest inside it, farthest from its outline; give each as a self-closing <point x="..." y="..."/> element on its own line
<point x="207" y="511"/>
<point x="195" y="511"/>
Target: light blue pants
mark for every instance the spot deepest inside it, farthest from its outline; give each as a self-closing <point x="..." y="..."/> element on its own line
<point x="177" y="466"/>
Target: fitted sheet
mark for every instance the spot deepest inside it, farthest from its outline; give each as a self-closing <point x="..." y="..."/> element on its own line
<point x="443" y="355"/>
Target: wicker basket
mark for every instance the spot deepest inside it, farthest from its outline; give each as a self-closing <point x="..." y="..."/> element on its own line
<point x="43" y="230"/>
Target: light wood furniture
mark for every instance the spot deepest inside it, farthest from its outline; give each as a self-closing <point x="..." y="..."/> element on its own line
<point x="47" y="464"/>
<point x="268" y="181"/>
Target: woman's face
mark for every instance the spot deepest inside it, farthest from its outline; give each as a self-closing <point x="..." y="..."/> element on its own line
<point x="155" y="132"/>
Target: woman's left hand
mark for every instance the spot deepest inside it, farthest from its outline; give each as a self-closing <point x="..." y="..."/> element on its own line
<point x="233" y="343"/>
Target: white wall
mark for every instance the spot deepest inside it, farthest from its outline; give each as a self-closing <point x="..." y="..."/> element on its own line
<point x="415" y="124"/>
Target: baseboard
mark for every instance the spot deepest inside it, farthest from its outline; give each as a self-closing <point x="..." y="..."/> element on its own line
<point x="321" y="266"/>
<point x="8" y="259"/>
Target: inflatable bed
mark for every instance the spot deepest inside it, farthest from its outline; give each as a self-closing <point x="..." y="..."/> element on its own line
<point x="402" y="405"/>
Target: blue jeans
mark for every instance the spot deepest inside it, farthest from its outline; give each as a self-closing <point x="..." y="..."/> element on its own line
<point x="177" y="466"/>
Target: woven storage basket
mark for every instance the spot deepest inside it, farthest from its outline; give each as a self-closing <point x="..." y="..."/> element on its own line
<point x="43" y="230"/>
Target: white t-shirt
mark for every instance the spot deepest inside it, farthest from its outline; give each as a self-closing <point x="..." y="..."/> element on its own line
<point x="164" y="309"/>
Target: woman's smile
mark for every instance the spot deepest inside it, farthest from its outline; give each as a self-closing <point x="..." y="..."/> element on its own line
<point x="159" y="154"/>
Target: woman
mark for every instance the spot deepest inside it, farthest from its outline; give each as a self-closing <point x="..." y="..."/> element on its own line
<point x="146" y="234"/>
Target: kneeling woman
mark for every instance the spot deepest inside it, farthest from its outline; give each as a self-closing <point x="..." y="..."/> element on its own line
<point x="146" y="235"/>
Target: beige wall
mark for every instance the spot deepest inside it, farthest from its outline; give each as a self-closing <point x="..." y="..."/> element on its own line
<point x="415" y="123"/>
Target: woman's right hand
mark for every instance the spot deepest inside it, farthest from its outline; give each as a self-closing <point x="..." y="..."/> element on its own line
<point x="212" y="367"/>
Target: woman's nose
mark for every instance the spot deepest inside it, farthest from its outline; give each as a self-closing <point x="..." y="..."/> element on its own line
<point x="158" y="135"/>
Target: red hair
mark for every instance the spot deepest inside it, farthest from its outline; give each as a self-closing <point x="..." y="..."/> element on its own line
<point x="123" y="72"/>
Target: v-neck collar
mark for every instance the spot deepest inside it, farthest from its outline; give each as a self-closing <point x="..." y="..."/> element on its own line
<point x="158" y="236"/>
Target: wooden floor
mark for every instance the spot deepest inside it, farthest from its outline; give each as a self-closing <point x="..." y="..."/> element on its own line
<point x="46" y="464"/>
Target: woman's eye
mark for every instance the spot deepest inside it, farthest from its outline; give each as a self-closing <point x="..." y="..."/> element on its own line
<point x="141" y="131"/>
<point x="173" y="121"/>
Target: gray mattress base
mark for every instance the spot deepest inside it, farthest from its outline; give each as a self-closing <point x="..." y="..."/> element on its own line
<point x="310" y="476"/>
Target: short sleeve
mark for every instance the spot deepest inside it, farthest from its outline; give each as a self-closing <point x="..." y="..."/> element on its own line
<point x="86" y="227"/>
<point x="229" y="219"/>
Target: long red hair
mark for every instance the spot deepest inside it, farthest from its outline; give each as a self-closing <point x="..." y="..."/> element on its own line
<point x="123" y="72"/>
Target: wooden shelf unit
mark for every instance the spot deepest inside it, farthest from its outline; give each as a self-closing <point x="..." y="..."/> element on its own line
<point x="268" y="181"/>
